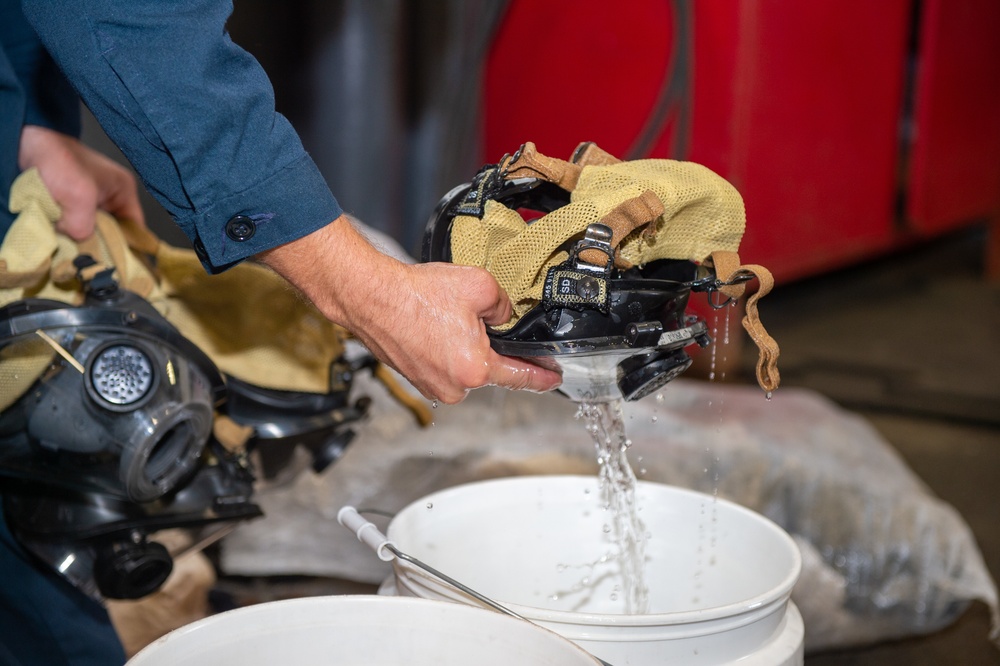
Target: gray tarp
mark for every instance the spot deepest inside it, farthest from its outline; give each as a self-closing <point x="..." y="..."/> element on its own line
<point x="882" y="556"/>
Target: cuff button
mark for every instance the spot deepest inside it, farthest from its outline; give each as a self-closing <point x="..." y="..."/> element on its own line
<point x="240" y="228"/>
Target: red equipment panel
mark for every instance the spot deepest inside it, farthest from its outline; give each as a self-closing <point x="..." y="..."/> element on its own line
<point x="797" y="104"/>
<point x="955" y="173"/>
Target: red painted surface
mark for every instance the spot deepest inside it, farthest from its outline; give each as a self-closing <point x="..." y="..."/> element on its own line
<point x="565" y="71"/>
<point x="798" y="104"/>
<point x="815" y="116"/>
<point x="955" y="174"/>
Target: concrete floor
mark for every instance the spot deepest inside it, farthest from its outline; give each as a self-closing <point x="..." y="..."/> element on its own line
<point x="912" y="342"/>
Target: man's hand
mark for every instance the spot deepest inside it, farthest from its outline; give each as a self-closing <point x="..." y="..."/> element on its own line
<point x="428" y="321"/>
<point x="79" y="179"/>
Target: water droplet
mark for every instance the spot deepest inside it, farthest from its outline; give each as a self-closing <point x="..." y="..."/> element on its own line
<point x="434" y="404"/>
<point x="768" y="396"/>
<point x="606" y="528"/>
<point x="659" y="397"/>
<point x="430" y="505"/>
<point x="653" y="418"/>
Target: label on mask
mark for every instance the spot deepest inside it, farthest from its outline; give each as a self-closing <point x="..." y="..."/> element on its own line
<point x="565" y="287"/>
<point x="671" y="337"/>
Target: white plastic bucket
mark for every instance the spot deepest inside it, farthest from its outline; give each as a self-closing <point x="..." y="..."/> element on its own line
<point x="361" y="631"/>
<point x="719" y="576"/>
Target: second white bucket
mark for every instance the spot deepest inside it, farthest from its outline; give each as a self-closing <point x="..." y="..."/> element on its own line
<point x="361" y="631"/>
<point x="719" y="576"/>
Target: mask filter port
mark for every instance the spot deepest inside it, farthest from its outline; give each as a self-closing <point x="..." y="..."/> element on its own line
<point x="153" y="466"/>
<point x="173" y="448"/>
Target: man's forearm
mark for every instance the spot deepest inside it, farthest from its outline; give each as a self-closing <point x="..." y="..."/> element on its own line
<point x="428" y="321"/>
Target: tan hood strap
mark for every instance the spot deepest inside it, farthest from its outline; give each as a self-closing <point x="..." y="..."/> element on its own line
<point x="414" y="404"/>
<point x="231" y="434"/>
<point x="626" y="217"/>
<point x="527" y="162"/>
<point x="728" y="267"/>
<point x="589" y="154"/>
<point x="139" y="238"/>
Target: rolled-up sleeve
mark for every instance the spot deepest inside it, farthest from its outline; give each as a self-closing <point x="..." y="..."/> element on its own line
<point x="194" y="113"/>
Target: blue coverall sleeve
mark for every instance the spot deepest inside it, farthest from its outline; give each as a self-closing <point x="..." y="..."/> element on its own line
<point x="195" y="116"/>
<point x="32" y="92"/>
<point x="49" y="100"/>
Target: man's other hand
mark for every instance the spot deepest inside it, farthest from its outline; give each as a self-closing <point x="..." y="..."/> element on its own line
<point x="80" y="180"/>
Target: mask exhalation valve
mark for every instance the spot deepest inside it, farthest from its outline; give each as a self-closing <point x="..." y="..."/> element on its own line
<point x="121" y="375"/>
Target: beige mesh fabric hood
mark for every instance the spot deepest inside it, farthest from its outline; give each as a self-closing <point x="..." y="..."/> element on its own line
<point x="656" y="209"/>
<point x="689" y="213"/>
<point x="248" y="320"/>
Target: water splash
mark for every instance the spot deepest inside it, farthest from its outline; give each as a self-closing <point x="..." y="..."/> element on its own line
<point x="617" y="482"/>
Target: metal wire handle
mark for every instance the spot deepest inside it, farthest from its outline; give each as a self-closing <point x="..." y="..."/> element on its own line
<point x="369" y="534"/>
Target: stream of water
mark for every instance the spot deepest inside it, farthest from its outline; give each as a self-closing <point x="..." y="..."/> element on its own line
<point x="617" y="482"/>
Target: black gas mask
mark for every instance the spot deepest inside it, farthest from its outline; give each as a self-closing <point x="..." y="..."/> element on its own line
<point x="612" y="334"/>
<point x="112" y="439"/>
